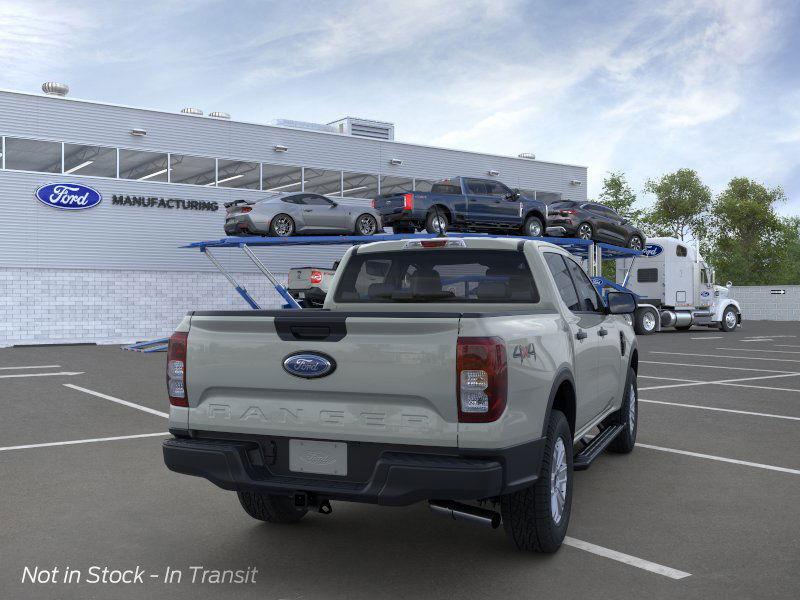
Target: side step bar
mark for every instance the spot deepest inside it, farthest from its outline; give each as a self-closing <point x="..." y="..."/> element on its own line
<point x="584" y="458"/>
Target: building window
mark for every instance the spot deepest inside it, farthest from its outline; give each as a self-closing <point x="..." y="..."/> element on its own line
<point x="423" y="185"/>
<point x="97" y="161"/>
<point x="144" y="166"/>
<point x="280" y="178"/>
<point x="396" y="185"/>
<point x="237" y="174"/>
<point x="359" y="185"/>
<point x="33" y="155"/>
<point x="321" y="181"/>
<point x="194" y="170"/>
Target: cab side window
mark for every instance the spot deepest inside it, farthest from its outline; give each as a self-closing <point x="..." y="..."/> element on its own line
<point x="477" y="187"/>
<point x="587" y="294"/>
<point x="566" y="288"/>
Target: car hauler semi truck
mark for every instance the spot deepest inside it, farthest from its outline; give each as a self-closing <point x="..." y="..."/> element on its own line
<point x="676" y="288"/>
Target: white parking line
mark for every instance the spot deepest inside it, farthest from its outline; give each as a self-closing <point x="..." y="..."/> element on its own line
<point x="758" y="350"/>
<point x="658" y="362"/>
<point x="15" y="375"/>
<point x="728" y="410"/>
<point x="718" y="382"/>
<point x="31" y="367"/>
<point x="152" y="411"/>
<point x="759" y="387"/>
<point x="670" y="379"/>
<point x="86" y="441"/>
<point x="708" y="337"/>
<point x="722" y="356"/>
<point x="720" y="459"/>
<point x="626" y="558"/>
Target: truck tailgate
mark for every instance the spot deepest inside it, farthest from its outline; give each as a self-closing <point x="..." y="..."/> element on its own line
<point x="394" y="376"/>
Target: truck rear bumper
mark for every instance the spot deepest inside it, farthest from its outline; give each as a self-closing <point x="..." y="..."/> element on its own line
<point x="400" y="475"/>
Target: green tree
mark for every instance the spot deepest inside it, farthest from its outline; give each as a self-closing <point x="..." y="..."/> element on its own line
<point x="749" y="243"/>
<point x="618" y="195"/>
<point x="680" y="207"/>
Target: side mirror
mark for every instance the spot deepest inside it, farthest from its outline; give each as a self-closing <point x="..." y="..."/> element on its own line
<point x="620" y="303"/>
<point x="334" y="204"/>
<point x="729" y="285"/>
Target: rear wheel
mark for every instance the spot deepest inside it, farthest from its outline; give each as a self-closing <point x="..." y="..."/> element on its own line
<point x="281" y="226"/>
<point x="533" y="227"/>
<point x="536" y="518"/>
<point x="584" y="231"/>
<point x="436" y="222"/>
<point x="366" y="225"/>
<point x="729" y="320"/>
<point x="270" y="508"/>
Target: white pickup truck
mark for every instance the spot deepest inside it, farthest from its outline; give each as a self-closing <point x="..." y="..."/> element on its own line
<point x="472" y="373"/>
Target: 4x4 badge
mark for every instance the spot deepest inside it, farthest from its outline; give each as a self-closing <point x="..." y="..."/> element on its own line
<point x="523" y="353"/>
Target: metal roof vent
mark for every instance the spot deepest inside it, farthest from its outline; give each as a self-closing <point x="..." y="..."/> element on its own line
<point x="377" y="130"/>
<point x="192" y="111"/>
<point x="219" y="115"/>
<point x="527" y="155"/>
<point x="51" y="88"/>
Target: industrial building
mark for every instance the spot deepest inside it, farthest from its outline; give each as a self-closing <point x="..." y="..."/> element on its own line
<point x="115" y="271"/>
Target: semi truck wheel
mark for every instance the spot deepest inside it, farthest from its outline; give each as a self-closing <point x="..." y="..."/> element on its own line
<point x="627" y="415"/>
<point x="270" y="508"/>
<point x="729" y="320"/>
<point x="644" y="321"/>
<point x="536" y="518"/>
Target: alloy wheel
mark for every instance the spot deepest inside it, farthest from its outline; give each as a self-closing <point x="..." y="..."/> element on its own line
<point x="585" y="232"/>
<point x="558" y="481"/>
<point x="366" y="225"/>
<point x="282" y="226"/>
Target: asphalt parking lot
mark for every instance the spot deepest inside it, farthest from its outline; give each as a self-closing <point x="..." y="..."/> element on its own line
<point x="705" y="507"/>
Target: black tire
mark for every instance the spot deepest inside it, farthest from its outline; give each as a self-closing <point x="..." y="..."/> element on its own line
<point x="533" y="227"/>
<point x="642" y="324"/>
<point x="361" y="224"/>
<point x="584" y="231"/>
<point x="430" y="221"/>
<point x="636" y="242"/>
<point x="527" y="516"/>
<point x="270" y="508"/>
<point x="275" y="226"/>
<point x="725" y="324"/>
<point x="627" y="415"/>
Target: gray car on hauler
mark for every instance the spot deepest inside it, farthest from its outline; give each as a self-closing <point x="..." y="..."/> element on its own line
<point x="467" y="372"/>
<point x="286" y="214"/>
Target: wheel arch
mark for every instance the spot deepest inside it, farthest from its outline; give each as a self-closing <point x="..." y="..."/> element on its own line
<point x="535" y="212"/>
<point x="442" y="208"/>
<point x="562" y="397"/>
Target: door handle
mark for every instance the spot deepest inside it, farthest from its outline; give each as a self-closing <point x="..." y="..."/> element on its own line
<point x="581" y="335"/>
<point x="308" y="210"/>
<point x="602" y="332"/>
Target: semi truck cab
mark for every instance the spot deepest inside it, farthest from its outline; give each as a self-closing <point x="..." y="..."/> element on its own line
<point x="676" y="288"/>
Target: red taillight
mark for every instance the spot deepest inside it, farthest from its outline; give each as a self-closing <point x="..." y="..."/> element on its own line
<point x="176" y="369"/>
<point x="481" y="379"/>
<point x="247" y="209"/>
<point x="408" y="201"/>
<point x="433" y="243"/>
<point x="316" y="277"/>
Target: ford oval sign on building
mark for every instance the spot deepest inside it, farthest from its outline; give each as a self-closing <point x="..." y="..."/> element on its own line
<point x="68" y="196"/>
<point x="309" y="365"/>
<point x="652" y="250"/>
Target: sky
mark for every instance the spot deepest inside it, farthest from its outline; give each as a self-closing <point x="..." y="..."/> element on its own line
<point x="639" y="87"/>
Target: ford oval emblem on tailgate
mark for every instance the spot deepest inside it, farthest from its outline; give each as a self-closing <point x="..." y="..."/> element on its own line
<point x="309" y="365"/>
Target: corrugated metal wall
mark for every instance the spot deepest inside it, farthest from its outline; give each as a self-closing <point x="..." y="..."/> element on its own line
<point x="125" y="237"/>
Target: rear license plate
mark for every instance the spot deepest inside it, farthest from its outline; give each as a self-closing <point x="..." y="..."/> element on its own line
<point x="323" y="458"/>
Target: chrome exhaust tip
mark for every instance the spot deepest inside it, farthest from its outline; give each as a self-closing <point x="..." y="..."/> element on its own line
<point x="464" y="512"/>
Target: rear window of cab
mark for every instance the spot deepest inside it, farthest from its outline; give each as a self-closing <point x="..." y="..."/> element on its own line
<point x="438" y="277"/>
